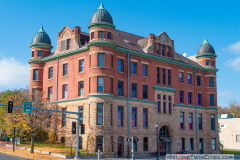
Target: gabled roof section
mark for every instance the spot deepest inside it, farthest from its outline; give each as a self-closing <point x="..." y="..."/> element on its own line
<point x="60" y="33"/>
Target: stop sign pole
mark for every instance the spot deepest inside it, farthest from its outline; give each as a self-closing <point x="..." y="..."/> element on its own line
<point x="77" y="154"/>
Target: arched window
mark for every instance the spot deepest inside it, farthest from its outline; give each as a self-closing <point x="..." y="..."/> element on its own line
<point x="164" y="132"/>
<point x="120" y="147"/>
<point x="145" y="144"/>
<point x="135" y="144"/>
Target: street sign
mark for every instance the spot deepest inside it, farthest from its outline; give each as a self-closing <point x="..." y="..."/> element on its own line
<point x="27" y="107"/>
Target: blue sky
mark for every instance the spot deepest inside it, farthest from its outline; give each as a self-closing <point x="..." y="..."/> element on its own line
<point x="186" y="22"/>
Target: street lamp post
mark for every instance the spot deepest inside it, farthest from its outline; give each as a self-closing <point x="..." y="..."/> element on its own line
<point x="14" y="133"/>
<point x="156" y="125"/>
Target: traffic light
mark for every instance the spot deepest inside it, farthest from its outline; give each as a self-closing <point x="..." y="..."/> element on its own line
<point x="73" y="127"/>
<point x="82" y="128"/>
<point x="135" y="140"/>
<point x="10" y="106"/>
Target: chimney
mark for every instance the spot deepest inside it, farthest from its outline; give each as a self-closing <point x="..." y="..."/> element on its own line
<point x="151" y="36"/>
<point x="77" y="30"/>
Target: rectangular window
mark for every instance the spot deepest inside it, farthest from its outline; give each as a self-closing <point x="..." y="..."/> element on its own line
<point x="39" y="53"/>
<point x="99" y="143"/>
<point x="111" y="61"/>
<point x="100" y="84"/>
<point x="199" y="80"/>
<point x="134" y="90"/>
<point x="100" y="59"/>
<point x="111" y="85"/>
<point x="181" y="77"/>
<point x="181" y="95"/>
<point x="32" y="53"/>
<point x="164" y="107"/>
<point x="134" y="68"/>
<point x="190" y="121"/>
<point x="50" y="93"/>
<point x="100" y="34"/>
<point x="145" y="92"/>
<point x="169" y="77"/>
<point x="207" y="63"/>
<point x="134" y="117"/>
<point x="182" y="120"/>
<point x="81" y="114"/>
<point x="65" y="91"/>
<point x="163" y="76"/>
<point x="189" y="97"/>
<point x="145" y="70"/>
<point x="199" y="99"/>
<point x="145" y="117"/>
<point x="109" y="35"/>
<point x="200" y="121"/>
<point x="158" y="75"/>
<point x="65" y="69"/>
<point x="99" y="114"/>
<point x="159" y="103"/>
<point x="170" y="104"/>
<point x="168" y="51"/>
<point x="145" y="144"/>
<point x="81" y="88"/>
<point x="120" y="88"/>
<point x="120" y="65"/>
<point x="35" y="74"/>
<point x="120" y="116"/>
<point x="213" y="144"/>
<point x="189" y="76"/>
<point x="68" y="44"/>
<point x="63" y="45"/>
<point x="238" y="138"/>
<point x="158" y="49"/>
<point x="163" y="50"/>
<point x="183" y="144"/>
<point x="212" y="122"/>
<point x="81" y="65"/>
<point x="92" y="35"/>
<point x="210" y="81"/>
<point x="213" y="63"/>
<point x="50" y="72"/>
<point x="191" y="144"/>
<point x="211" y="99"/>
<point x="64" y="118"/>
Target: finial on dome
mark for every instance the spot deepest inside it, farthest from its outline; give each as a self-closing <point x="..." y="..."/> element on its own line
<point x="101" y="5"/>
<point x="41" y="29"/>
<point x="205" y="41"/>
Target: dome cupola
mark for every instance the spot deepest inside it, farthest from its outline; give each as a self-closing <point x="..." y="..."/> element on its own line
<point x="101" y="16"/>
<point x="206" y="48"/>
<point x="41" y="38"/>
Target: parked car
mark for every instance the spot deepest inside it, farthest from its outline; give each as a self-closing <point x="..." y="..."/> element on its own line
<point x="183" y="155"/>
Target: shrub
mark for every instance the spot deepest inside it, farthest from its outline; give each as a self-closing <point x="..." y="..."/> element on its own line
<point x="52" y="137"/>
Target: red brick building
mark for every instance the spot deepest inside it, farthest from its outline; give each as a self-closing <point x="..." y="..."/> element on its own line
<point x="126" y="83"/>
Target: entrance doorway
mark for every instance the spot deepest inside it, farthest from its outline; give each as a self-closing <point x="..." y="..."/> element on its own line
<point x="165" y="141"/>
<point x="201" y="145"/>
<point x="120" y="146"/>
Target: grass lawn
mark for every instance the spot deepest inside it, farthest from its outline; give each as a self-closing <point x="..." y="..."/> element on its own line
<point x="230" y="152"/>
<point x="54" y="148"/>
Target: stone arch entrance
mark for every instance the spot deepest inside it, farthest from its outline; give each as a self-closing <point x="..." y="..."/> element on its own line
<point x="164" y="141"/>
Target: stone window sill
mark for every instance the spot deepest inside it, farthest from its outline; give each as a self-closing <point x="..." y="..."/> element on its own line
<point x="134" y="75"/>
<point x="50" y="79"/>
<point x="120" y="72"/>
<point x="181" y="82"/>
<point x="81" y="72"/>
<point x="65" y="76"/>
<point x="145" y="76"/>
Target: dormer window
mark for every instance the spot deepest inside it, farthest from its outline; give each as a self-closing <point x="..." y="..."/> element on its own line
<point x="168" y="51"/>
<point x="68" y="44"/>
<point x="63" y="45"/>
<point x="158" y="48"/>
<point x="207" y="63"/>
<point x="100" y="34"/>
<point x="163" y="50"/>
<point x="92" y="35"/>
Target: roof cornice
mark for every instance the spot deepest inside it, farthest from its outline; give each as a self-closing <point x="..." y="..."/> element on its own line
<point x="165" y="89"/>
<point x="198" y="107"/>
<point x="101" y="24"/>
<point x="41" y="45"/>
<point x="206" y="55"/>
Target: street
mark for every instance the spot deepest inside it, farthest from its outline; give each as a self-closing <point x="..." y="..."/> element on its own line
<point x="10" y="157"/>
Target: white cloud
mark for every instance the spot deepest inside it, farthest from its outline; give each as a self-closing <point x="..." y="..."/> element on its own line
<point x="234" y="63"/>
<point x="234" y="48"/>
<point x="13" y="73"/>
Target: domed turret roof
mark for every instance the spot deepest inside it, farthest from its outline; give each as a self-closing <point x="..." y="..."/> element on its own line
<point x="206" y="48"/>
<point x="41" y="37"/>
<point x="101" y="15"/>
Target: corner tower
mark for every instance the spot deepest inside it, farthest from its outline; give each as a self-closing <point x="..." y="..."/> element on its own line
<point x="206" y="55"/>
<point x="40" y="47"/>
